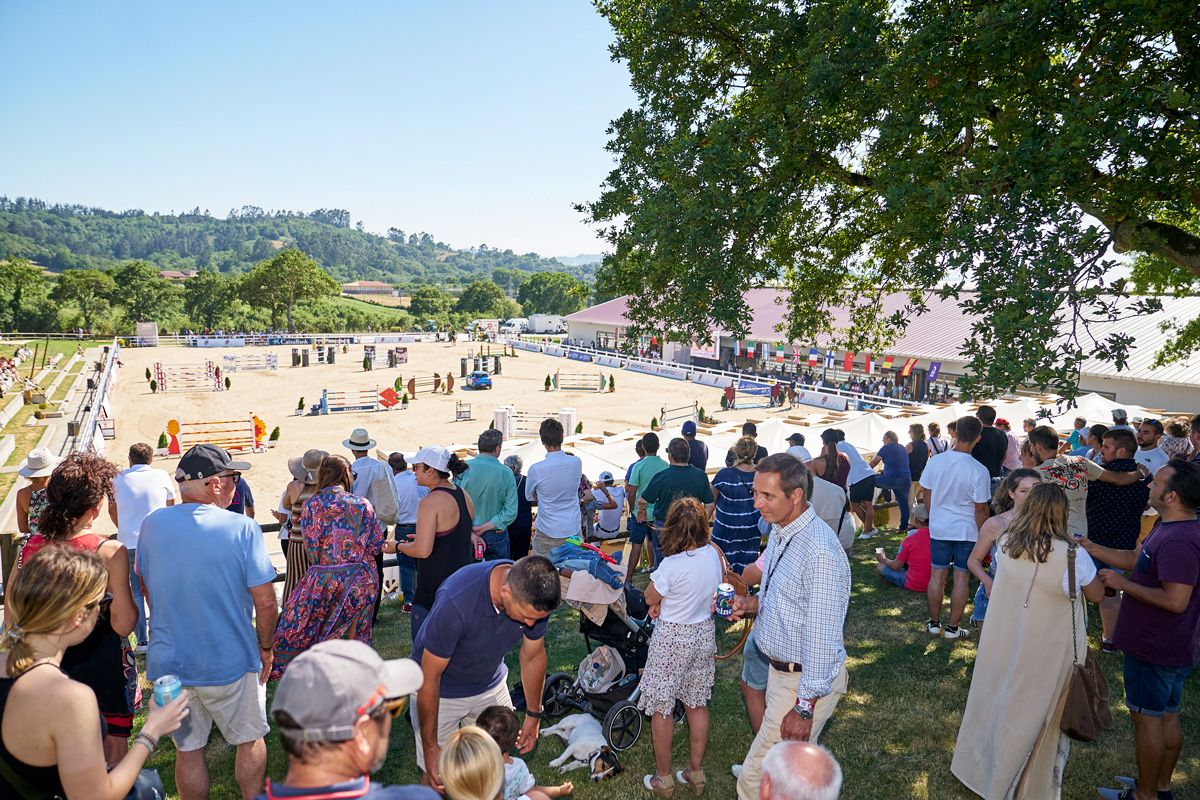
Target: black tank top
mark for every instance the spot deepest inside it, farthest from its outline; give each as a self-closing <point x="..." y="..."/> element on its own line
<point x="918" y="458"/>
<point x="451" y="551"/>
<point x="44" y="779"/>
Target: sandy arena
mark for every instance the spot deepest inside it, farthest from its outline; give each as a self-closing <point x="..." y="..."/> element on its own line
<point x="273" y="396"/>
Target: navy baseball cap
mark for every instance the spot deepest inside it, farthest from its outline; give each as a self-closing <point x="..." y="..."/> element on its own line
<point x="689" y="428"/>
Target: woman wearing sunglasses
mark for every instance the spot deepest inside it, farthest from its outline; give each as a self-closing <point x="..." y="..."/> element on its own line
<point x="77" y="490"/>
<point x="54" y="604"/>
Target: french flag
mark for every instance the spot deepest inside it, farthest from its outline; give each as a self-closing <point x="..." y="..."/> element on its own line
<point x="812" y="356"/>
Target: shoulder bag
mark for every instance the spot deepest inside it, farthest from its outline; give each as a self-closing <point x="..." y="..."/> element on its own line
<point x="1086" y="714"/>
<point x="730" y="575"/>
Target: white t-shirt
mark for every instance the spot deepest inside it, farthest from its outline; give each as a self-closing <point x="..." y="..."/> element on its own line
<point x="955" y="483"/>
<point x="829" y="500"/>
<point x="286" y="511"/>
<point x="609" y="518"/>
<point x="687" y="581"/>
<point x="1154" y="459"/>
<point x="138" y="491"/>
<point x="859" y="469"/>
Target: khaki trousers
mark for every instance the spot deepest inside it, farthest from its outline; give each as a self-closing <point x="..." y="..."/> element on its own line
<point x="543" y="544"/>
<point x="781" y="699"/>
<point x="457" y="712"/>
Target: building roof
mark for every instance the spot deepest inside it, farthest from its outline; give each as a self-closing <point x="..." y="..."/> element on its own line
<point x="176" y="275"/>
<point x="366" y="285"/>
<point x="939" y="333"/>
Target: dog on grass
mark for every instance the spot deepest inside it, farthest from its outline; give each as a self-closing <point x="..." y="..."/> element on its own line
<point x="585" y="747"/>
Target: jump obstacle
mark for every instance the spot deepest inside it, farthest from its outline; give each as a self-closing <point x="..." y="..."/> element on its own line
<point x="514" y="423"/>
<point x="252" y="363"/>
<point x="688" y="412"/>
<point x="395" y="356"/>
<point x="579" y="381"/>
<point x="180" y="378"/>
<point x="488" y="364"/>
<point x="324" y="355"/>
<point x="434" y="385"/>
<point x="244" y="435"/>
<point x="748" y="394"/>
<point x="462" y="412"/>
<point x="341" y="401"/>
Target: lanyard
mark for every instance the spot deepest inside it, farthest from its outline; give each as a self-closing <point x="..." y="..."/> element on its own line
<point x="766" y="582"/>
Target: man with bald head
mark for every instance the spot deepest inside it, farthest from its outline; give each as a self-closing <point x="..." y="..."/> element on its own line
<point x="800" y="771"/>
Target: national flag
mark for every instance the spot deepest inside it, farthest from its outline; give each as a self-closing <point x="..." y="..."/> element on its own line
<point x="737" y="347"/>
<point x="867" y="363"/>
<point x="779" y="353"/>
<point x="934" y="369"/>
<point x="908" y="367"/>
<point x="750" y="348"/>
<point x="888" y="361"/>
<point x="812" y="356"/>
<point x="828" y="358"/>
<point x="848" y="362"/>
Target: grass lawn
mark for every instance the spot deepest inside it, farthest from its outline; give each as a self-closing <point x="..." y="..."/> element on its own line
<point x="893" y="733"/>
<point x="26" y="436"/>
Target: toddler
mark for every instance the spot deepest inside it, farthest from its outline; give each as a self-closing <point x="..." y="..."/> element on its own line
<point x="502" y="725"/>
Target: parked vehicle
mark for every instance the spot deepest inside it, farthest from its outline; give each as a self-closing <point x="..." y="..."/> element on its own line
<point x="479" y="380"/>
<point x="517" y="325"/>
<point x="547" y="323"/>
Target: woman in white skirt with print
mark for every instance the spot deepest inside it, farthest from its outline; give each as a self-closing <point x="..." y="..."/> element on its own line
<point x="681" y="662"/>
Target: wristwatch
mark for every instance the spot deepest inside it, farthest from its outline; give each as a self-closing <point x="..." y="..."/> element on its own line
<point x="804" y="708"/>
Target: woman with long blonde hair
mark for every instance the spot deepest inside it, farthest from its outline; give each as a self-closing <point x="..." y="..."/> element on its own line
<point x="54" y="602"/>
<point x="1010" y="744"/>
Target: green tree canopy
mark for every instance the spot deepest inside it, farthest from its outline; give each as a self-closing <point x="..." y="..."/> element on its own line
<point x="286" y="278"/>
<point x="996" y="153"/>
<point x="209" y="296"/>
<point x="483" y="298"/>
<point x="142" y="293"/>
<point x="430" y="302"/>
<point x="23" y="291"/>
<point x="552" y="293"/>
<point x="89" y="289"/>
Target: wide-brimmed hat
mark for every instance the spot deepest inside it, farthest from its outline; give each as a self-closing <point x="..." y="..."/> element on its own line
<point x="311" y="461"/>
<point x="40" y="463"/>
<point x="359" y="440"/>
<point x="296" y="468"/>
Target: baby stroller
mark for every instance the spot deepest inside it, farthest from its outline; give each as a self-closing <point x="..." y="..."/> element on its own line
<point x="607" y="684"/>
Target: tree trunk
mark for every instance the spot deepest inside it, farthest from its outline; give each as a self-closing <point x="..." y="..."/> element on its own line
<point x="291" y="325"/>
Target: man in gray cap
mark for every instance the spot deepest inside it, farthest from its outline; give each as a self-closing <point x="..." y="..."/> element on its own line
<point x="205" y="571"/>
<point x="334" y="709"/>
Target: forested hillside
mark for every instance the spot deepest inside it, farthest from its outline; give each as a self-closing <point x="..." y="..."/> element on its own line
<point x="61" y="237"/>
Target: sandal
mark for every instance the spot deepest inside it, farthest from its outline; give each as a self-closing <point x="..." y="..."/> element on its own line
<point x="659" y="785"/>
<point x="694" y="779"/>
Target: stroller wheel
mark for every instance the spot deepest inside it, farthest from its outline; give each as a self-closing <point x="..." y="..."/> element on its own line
<point x="557" y="686"/>
<point x="623" y="725"/>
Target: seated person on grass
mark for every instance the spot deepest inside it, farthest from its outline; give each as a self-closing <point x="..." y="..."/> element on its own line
<point x="910" y="569"/>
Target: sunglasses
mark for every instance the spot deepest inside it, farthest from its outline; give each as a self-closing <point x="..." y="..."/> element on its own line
<point x="390" y="709"/>
<point x="232" y="476"/>
<point x="104" y="603"/>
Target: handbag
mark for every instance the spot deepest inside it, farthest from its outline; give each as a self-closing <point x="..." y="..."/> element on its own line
<point x="729" y="574"/>
<point x="1086" y="714"/>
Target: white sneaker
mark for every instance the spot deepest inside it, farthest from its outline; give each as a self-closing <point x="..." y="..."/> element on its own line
<point x="955" y="633"/>
<point x="736" y="769"/>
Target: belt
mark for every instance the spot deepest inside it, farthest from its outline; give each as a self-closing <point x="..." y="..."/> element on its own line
<point x="786" y="666"/>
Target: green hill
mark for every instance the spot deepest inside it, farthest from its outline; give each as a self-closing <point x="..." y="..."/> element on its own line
<point x="61" y="237"/>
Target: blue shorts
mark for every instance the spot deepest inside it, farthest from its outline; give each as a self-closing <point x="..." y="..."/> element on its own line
<point x="755" y="666"/>
<point x="943" y="553"/>
<point x="979" y="608"/>
<point x="1152" y="690"/>
<point x="896" y="576"/>
<point x="637" y="531"/>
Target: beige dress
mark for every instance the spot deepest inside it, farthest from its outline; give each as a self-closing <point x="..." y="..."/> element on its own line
<point x="1009" y="744"/>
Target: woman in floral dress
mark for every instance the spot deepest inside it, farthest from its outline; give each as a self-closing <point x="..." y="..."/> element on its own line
<point x="335" y="598"/>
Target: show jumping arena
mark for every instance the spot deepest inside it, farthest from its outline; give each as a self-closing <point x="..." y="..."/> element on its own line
<point x="273" y="395"/>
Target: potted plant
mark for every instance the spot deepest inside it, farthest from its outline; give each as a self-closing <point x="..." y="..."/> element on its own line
<point x="300" y="407"/>
<point x="612" y="386"/>
<point x="148" y="375"/>
<point x="654" y="423"/>
<point x="548" y="383"/>
<point x="724" y="403"/>
<point x="227" y="383"/>
<point x="274" y="437"/>
<point x="153" y="386"/>
<point x="163" y="443"/>
<point x="579" y="427"/>
<point x="404" y="402"/>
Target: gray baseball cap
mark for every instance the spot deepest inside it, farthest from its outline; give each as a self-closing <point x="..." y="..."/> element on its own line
<point x="329" y="686"/>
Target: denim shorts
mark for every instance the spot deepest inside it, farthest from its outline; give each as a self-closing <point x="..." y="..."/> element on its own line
<point x="896" y="576"/>
<point x="637" y="531"/>
<point x="755" y="666"/>
<point x="979" y="608"/>
<point x="943" y="553"/>
<point x="1152" y="690"/>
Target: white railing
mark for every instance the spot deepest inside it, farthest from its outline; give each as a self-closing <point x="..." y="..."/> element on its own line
<point x="718" y="378"/>
<point x="90" y="436"/>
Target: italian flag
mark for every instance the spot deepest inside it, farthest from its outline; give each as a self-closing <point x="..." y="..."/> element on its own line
<point x="750" y="348"/>
<point x="779" y="353"/>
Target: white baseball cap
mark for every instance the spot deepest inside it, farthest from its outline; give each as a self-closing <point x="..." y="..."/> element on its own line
<point x="433" y="456"/>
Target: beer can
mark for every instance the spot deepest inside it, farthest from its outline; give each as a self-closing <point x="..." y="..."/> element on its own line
<point x="479" y="550"/>
<point x="724" y="600"/>
<point x="166" y="689"/>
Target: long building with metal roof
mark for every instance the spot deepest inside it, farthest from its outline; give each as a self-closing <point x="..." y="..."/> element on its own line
<point x="933" y="338"/>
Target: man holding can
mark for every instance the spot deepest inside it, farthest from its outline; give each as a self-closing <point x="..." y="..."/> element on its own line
<point x="205" y="572"/>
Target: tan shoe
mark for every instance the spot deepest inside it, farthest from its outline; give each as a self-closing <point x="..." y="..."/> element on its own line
<point x="696" y="780"/>
<point x="659" y="785"/>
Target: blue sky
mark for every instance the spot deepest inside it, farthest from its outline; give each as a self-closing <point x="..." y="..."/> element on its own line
<point x="479" y="122"/>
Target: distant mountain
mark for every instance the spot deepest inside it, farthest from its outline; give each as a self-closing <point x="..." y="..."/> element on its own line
<point x="582" y="260"/>
<point x="61" y="237"/>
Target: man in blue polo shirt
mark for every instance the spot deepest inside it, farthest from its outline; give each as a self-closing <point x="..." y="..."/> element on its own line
<point x="479" y="613"/>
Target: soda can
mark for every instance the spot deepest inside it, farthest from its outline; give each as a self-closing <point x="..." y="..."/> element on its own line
<point x="166" y="689"/>
<point x="724" y="600"/>
<point x="479" y="550"/>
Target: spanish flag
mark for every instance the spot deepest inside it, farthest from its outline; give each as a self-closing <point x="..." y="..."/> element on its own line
<point x="907" y="369"/>
<point x="888" y="361"/>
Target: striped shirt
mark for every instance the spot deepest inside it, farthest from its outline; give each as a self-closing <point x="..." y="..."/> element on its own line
<point x="735" y="522"/>
<point x="803" y="602"/>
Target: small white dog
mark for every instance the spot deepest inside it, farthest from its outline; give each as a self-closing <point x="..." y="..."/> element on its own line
<point x="585" y="741"/>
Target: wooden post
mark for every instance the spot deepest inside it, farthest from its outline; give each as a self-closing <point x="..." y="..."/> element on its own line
<point x="8" y="552"/>
<point x="46" y="351"/>
<point x="33" y="361"/>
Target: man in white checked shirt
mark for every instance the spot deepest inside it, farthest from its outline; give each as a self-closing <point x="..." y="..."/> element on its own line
<point x="801" y="610"/>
